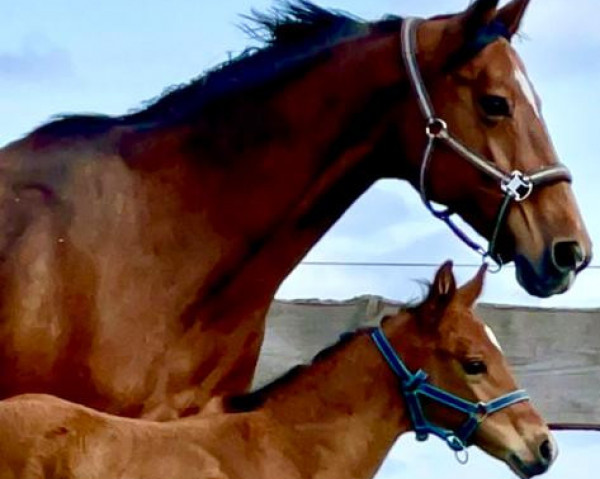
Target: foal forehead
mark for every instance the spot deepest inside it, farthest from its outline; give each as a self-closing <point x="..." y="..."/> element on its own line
<point x="492" y="336"/>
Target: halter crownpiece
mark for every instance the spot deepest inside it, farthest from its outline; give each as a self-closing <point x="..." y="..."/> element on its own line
<point x="515" y="186"/>
<point x="414" y="386"/>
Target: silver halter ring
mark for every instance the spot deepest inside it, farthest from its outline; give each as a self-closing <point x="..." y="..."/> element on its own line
<point x="436" y="128"/>
<point x="517" y="185"/>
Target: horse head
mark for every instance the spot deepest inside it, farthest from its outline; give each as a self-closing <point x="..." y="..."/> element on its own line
<point x="485" y="151"/>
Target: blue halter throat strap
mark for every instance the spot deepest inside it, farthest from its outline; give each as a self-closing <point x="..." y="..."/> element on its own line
<point x="414" y="386"/>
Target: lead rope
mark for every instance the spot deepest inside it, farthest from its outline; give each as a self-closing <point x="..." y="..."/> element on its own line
<point x="433" y="131"/>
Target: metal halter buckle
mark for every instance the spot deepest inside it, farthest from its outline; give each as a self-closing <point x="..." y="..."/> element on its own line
<point x="517" y="185"/>
<point x="436" y="128"/>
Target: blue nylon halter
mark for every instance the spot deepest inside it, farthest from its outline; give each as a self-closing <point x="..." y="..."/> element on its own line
<point x="413" y="386"/>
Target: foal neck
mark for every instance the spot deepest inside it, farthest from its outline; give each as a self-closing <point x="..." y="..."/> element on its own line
<point x="345" y="408"/>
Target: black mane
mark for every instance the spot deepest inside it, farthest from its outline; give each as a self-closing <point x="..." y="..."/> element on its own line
<point x="293" y="36"/>
<point x="294" y="21"/>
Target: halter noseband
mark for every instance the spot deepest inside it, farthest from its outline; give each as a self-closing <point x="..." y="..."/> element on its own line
<point x="414" y="386"/>
<point x="516" y="185"/>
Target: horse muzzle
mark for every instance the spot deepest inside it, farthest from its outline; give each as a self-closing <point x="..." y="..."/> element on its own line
<point x="544" y="454"/>
<point x="555" y="270"/>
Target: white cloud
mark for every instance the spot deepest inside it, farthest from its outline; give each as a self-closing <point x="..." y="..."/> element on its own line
<point x="36" y="62"/>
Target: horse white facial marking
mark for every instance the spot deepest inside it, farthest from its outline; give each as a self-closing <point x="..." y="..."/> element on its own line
<point x="527" y="88"/>
<point x="493" y="337"/>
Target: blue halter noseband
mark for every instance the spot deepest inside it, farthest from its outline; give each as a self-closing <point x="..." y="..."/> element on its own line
<point x="413" y="386"/>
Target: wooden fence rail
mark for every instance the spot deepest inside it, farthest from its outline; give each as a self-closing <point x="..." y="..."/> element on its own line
<point x="554" y="352"/>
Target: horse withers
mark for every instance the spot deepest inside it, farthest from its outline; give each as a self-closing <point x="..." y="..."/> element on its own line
<point x="139" y="254"/>
<point x="434" y="368"/>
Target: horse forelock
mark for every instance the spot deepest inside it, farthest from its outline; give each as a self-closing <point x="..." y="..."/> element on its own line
<point x="487" y="35"/>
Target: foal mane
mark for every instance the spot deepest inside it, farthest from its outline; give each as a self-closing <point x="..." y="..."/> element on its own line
<point x="253" y="400"/>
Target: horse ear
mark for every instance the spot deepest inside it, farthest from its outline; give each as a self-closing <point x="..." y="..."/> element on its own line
<point x="444" y="284"/>
<point x="512" y="14"/>
<point x="478" y="15"/>
<point x="472" y="289"/>
<point x="441" y="293"/>
<point x="453" y="32"/>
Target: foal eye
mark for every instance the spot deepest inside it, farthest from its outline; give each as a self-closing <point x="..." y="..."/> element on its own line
<point x="494" y="105"/>
<point x="474" y="367"/>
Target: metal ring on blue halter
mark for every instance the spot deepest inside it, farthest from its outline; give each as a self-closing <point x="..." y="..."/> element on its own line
<point x="482" y="411"/>
<point x="455" y="443"/>
<point x="462" y="457"/>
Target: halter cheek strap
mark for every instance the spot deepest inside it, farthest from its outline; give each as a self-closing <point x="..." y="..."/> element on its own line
<point x="515" y="186"/>
<point x="415" y="386"/>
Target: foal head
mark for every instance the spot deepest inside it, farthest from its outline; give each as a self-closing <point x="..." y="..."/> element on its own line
<point x="478" y="85"/>
<point x="461" y="356"/>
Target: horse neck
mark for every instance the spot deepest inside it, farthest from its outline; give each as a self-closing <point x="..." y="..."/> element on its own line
<point x="307" y="155"/>
<point x="345" y="408"/>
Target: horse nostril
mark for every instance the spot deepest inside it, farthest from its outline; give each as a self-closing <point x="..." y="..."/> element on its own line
<point x="546" y="452"/>
<point x="568" y="255"/>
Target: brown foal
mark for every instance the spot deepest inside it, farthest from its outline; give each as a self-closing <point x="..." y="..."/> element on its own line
<point x="337" y="417"/>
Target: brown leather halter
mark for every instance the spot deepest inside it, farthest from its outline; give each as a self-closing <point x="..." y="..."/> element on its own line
<point x="515" y="186"/>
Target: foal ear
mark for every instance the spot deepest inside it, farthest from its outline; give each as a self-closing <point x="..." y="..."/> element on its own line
<point x="444" y="284"/>
<point x="512" y="14"/>
<point x="440" y="294"/>
<point x="472" y="289"/>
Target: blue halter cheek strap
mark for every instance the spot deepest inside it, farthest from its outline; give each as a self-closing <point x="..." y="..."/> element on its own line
<point x="414" y="386"/>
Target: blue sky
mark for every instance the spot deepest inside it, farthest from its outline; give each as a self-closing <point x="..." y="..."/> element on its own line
<point x="62" y="56"/>
<point x="432" y="459"/>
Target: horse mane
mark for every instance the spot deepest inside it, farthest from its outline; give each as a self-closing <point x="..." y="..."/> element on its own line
<point x="294" y="21"/>
<point x="292" y="35"/>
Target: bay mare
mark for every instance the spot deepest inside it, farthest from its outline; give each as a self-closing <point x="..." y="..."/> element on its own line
<point x="337" y="417"/>
<point x="139" y="254"/>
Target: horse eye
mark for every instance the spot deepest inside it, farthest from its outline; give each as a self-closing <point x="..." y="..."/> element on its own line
<point x="494" y="105"/>
<point x="474" y="367"/>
